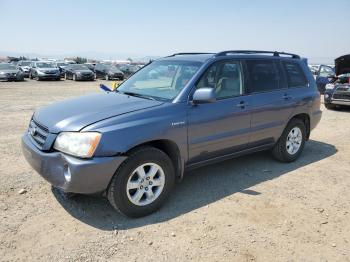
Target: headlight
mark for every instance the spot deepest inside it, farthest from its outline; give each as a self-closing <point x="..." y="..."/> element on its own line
<point x="40" y="72"/>
<point x="329" y="86"/>
<point x="2" y="73"/>
<point x="78" y="144"/>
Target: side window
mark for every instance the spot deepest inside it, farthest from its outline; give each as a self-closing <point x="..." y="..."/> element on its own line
<point x="295" y="75"/>
<point x="326" y="71"/>
<point x="263" y="75"/>
<point x="225" y="77"/>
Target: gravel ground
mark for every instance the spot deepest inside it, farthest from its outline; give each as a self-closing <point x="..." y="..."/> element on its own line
<point x="247" y="209"/>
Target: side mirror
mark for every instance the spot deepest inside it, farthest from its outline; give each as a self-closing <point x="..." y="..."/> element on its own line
<point x="204" y="95"/>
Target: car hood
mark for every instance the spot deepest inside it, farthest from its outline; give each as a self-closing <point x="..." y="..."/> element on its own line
<point x="83" y="71"/>
<point x="42" y="69"/>
<point x="75" y="114"/>
<point x="9" y="70"/>
<point x="342" y="65"/>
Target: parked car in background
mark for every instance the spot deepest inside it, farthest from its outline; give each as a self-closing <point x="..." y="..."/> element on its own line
<point x="337" y="91"/>
<point x="108" y="72"/>
<point x="129" y="70"/>
<point x="324" y="76"/>
<point x="78" y="72"/>
<point x="91" y="66"/>
<point x="133" y="143"/>
<point x="44" y="70"/>
<point x="24" y="66"/>
<point x="62" y="67"/>
<point x="314" y="69"/>
<point x="9" y="72"/>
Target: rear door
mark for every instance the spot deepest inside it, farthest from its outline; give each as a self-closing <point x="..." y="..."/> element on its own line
<point x="222" y="127"/>
<point x="272" y="103"/>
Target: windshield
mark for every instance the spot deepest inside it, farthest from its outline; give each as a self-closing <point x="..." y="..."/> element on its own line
<point x="161" y="79"/>
<point x="112" y="68"/>
<point x="25" y="63"/>
<point x="45" y="65"/>
<point x="7" y="66"/>
<point x="79" y="67"/>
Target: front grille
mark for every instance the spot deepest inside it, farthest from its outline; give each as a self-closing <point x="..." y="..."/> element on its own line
<point x="38" y="132"/>
<point x="343" y="88"/>
<point x="341" y="96"/>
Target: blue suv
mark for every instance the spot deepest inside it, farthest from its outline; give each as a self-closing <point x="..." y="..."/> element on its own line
<point x="177" y="113"/>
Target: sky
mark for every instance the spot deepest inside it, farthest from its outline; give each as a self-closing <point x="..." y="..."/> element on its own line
<point x="313" y="29"/>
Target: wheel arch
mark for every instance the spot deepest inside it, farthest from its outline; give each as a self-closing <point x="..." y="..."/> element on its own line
<point x="168" y="147"/>
<point x="306" y="120"/>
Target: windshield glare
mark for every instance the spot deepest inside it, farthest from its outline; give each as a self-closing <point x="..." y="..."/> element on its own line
<point x="45" y="65"/>
<point x="161" y="79"/>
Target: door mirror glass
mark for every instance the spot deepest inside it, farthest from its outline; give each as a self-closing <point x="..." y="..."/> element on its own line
<point x="204" y="95"/>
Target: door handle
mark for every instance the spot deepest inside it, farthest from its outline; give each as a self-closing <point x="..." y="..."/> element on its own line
<point x="242" y="104"/>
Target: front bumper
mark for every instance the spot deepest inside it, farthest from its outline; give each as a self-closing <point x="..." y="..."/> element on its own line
<point x="86" y="77"/>
<point x="337" y="97"/>
<point x="88" y="176"/>
<point x="49" y="77"/>
<point x="11" y="77"/>
<point x="116" y="76"/>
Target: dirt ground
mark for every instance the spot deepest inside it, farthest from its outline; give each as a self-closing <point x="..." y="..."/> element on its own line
<point x="247" y="209"/>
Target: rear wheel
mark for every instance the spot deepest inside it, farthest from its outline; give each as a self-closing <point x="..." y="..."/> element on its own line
<point x="291" y="143"/>
<point x="142" y="183"/>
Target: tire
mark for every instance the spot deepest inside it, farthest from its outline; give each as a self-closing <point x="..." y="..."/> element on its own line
<point x="74" y="77"/>
<point x="106" y="77"/>
<point x="330" y="106"/>
<point x="281" y="151"/>
<point x="65" y="77"/>
<point x="30" y="76"/>
<point x="121" y="198"/>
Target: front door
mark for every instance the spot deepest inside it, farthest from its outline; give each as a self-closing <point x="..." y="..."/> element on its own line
<point x="222" y="127"/>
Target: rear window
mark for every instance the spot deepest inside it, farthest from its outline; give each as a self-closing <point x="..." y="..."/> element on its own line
<point x="263" y="75"/>
<point x="295" y="75"/>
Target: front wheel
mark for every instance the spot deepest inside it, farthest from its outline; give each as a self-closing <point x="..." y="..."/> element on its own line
<point x="142" y="183"/>
<point x="291" y="143"/>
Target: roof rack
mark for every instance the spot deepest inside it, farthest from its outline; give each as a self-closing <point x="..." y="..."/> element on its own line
<point x="274" y="53"/>
<point x="191" y="53"/>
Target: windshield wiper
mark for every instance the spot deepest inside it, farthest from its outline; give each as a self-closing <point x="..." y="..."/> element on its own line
<point x="138" y="95"/>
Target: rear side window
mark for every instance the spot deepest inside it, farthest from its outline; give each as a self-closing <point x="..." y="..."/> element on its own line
<point x="263" y="75"/>
<point x="295" y="75"/>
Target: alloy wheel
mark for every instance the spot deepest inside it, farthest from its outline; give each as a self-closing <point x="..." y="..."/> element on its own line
<point x="145" y="184"/>
<point x="294" y="140"/>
